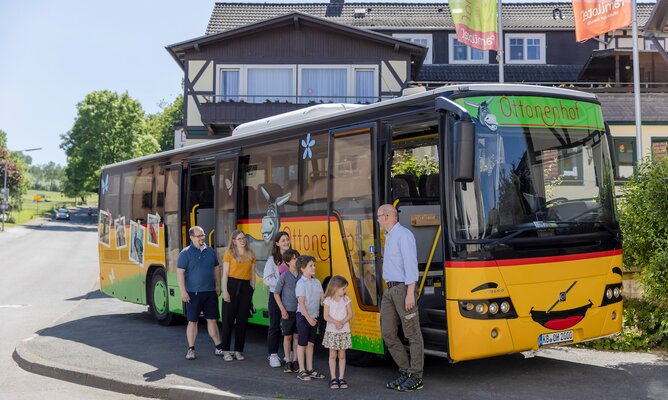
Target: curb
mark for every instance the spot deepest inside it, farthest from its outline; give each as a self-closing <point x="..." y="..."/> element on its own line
<point x="35" y="364"/>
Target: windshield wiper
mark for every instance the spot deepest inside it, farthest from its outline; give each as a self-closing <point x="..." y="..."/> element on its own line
<point x="541" y="225"/>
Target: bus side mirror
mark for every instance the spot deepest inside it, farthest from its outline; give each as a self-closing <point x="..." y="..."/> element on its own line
<point x="464" y="147"/>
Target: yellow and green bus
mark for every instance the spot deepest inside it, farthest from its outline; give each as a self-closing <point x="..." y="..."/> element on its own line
<point x="518" y="243"/>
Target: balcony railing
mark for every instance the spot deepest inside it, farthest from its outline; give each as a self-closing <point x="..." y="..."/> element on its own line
<point x="597" y="87"/>
<point x="283" y="99"/>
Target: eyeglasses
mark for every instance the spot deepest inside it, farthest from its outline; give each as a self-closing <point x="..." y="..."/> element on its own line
<point x="241" y="238"/>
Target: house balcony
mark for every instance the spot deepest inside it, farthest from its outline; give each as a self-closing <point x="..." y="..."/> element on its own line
<point x="222" y="113"/>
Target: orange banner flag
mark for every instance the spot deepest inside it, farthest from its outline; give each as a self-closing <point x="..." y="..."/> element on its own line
<point x="596" y="17"/>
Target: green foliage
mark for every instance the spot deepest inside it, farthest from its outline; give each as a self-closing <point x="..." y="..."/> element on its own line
<point x="108" y="128"/>
<point x="47" y="177"/>
<point x="645" y="327"/>
<point x="17" y="181"/>
<point x="644" y="223"/>
<point x="408" y="164"/>
<point x="161" y="125"/>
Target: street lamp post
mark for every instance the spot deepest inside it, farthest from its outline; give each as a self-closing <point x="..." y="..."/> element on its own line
<point x="5" y="191"/>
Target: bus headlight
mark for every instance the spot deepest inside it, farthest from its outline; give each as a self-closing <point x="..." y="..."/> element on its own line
<point x="612" y="294"/>
<point x="505" y="307"/>
<point x="487" y="308"/>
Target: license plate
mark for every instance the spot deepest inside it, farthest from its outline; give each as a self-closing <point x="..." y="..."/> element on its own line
<point x="549" y="339"/>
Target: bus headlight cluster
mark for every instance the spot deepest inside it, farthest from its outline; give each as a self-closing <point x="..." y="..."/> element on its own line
<point x="612" y="294"/>
<point x="487" y="309"/>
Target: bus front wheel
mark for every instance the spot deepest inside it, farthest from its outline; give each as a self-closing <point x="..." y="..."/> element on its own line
<point x="158" y="298"/>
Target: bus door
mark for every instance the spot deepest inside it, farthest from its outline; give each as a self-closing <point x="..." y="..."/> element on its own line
<point x="174" y="230"/>
<point x="415" y="190"/>
<point x="353" y="230"/>
<point x="200" y="198"/>
<point x="225" y="201"/>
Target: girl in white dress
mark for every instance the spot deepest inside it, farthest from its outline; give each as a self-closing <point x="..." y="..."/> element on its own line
<point x="337" y="312"/>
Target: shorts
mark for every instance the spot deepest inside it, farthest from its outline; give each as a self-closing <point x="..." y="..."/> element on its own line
<point x="289" y="326"/>
<point x="337" y="340"/>
<point x="306" y="333"/>
<point x="204" y="302"/>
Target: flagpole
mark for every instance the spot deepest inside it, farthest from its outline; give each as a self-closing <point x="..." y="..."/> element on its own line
<point x="499" y="38"/>
<point x="636" y="83"/>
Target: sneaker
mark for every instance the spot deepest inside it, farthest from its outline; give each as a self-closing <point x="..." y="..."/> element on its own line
<point x="274" y="361"/>
<point x="190" y="355"/>
<point x="410" y="384"/>
<point x="304" y="376"/>
<point x="288" y="367"/>
<point x="396" y="383"/>
<point x="239" y="356"/>
<point x="219" y="352"/>
<point x="227" y="356"/>
<point x="315" y="374"/>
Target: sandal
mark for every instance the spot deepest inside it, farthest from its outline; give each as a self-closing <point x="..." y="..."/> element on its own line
<point x="343" y="384"/>
<point x="334" y="384"/>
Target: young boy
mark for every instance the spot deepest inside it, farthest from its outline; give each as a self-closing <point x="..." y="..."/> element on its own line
<point x="287" y="303"/>
<point x="309" y="296"/>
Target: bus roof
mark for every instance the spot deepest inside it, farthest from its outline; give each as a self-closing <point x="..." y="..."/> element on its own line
<point x="329" y="111"/>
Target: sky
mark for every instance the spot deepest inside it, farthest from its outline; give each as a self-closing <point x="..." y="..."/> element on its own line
<point x="54" y="52"/>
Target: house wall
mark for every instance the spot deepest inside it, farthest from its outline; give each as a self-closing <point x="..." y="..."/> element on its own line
<point x="305" y="44"/>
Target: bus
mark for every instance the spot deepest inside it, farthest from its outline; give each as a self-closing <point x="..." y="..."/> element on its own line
<point x="518" y="244"/>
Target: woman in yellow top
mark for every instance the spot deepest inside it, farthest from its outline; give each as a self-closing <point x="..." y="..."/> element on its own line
<point x="238" y="286"/>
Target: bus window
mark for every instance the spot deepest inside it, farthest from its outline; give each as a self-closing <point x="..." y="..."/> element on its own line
<point x="109" y="199"/>
<point x="127" y="186"/>
<point x="314" y="163"/>
<point x="272" y="168"/>
<point x="142" y="198"/>
<point x="159" y="190"/>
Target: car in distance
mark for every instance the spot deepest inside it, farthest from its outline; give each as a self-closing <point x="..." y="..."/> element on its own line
<point x="62" y="213"/>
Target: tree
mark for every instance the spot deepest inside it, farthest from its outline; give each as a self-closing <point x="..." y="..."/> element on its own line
<point x="16" y="172"/>
<point x="108" y="128"/>
<point x="161" y="125"/>
<point x="644" y="223"/>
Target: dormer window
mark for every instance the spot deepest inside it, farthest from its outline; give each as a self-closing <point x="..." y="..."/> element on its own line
<point x="459" y="53"/>
<point x="525" y="48"/>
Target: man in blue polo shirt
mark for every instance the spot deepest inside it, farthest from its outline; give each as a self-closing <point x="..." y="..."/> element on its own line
<point x="198" y="275"/>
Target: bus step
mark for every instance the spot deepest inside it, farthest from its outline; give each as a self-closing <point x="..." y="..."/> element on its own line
<point x="437" y="316"/>
<point x="434" y="334"/>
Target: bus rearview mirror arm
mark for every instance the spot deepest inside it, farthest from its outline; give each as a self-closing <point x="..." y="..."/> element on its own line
<point x="463" y="139"/>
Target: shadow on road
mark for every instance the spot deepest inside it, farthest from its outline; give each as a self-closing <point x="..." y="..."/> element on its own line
<point x="140" y="342"/>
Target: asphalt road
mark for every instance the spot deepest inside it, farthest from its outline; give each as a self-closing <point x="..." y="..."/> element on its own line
<point x="45" y="270"/>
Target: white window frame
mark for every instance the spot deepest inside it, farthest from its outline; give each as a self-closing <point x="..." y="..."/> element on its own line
<point x="218" y="80"/>
<point x="525" y="36"/>
<point x="451" y="60"/>
<point x="649" y="45"/>
<point x="243" y="77"/>
<point x="350" y="77"/>
<point x="430" y="42"/>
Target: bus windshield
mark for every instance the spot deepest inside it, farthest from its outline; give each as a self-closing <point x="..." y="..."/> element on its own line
<point x="535" y="182"/>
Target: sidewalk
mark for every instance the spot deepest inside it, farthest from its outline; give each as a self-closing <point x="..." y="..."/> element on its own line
<point x="113" y="345"/>
<point x="16" y="231"/>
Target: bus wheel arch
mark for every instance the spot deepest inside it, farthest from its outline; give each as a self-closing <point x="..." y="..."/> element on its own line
<point x="157" y="294"/>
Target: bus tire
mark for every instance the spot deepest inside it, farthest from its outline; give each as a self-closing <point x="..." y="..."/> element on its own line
<point x="158" y="299"/>
<point x="359" y="358"/>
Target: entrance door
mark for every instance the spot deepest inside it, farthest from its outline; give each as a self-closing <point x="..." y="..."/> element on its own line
<point x="174" y="230"/>
<point x="226" y="195"/>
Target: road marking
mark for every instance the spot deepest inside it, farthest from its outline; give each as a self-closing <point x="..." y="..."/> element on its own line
<point x="14" y="305"/>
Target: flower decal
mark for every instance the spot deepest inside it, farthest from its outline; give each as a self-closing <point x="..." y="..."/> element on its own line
<point x="104" y="184"/>
<point x="307" y="144"/>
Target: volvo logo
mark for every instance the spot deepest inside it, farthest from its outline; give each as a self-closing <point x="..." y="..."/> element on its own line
<point x="562" y="296"/>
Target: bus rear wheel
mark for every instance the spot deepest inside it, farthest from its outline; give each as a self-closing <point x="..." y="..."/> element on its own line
<point x="158" y="298"/>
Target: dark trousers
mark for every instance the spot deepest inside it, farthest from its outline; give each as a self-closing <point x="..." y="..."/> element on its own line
<point x="274" y="334"/>
<point x="236" y="313"/>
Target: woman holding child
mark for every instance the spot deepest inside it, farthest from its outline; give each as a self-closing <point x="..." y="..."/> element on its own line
<point x="238" y="285"/>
